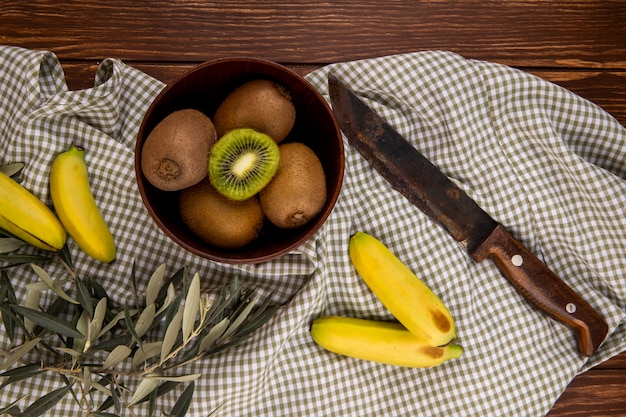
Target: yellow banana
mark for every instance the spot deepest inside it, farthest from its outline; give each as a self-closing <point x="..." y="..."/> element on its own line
<point x="409" y="299"/>
<point x="378" y="341"/>
<point x="27" y="217"/>
<point x="76" y="207"/>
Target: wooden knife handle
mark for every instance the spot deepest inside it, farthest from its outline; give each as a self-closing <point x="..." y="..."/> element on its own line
<point x="543" y="288"/>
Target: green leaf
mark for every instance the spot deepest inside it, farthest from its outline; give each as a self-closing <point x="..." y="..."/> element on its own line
<point x="257" y="320"/>
<point x="163" y="389"/>
<point x="32" y="301"/>
<point x="192" y="304"/>
<point x="20" y="373"/>
<point x="17" y="259"/>
<point x="112" y="323"/>
<point x="172" y="310"/>
<point x="117" y="402"/>
<point x="86" y="379"/>
<point x="130" y="325"/>
<point x="98" y="318"/>
<point x="106" y="404"/>
<point x="12" y="169"/>
<point x="43" y="275"/>
<point x="145" y="320"/>
<point x="22" y="370"/>
<point x="133" y="280"/>
<point x="103" y="382"/>
<point x="175" y="280"/>
<point x="246" y="329"/>
<point x="84" y="296"/>
<point x="70" y="384"/>
<point x="184" y="401"/>
<point x="171" y="334"/>
<point x="10" y="244"/>
<point x="82" y="325"/>
<point x="176" y="378"/>
<point x="215" y="333"/>
<point x="116" y="356"/>
<point x="37" y="286"/>
<point x="7" y="297"/>
<point x="18" y="353"/>
<point x="65" y="256"/>
<point x="48" y="321"/>
<point x="97" y="291"/>
<point x="154" y="285"/>
<point x="145" y="387"/>
<point x="12" y="409"/>
<point x="6" y="288"/>
<point x="110" y="344"/>
<point x="15" y="319"/>
<point x="72" y="352"/>
<point x="149" y="350"/>
<point x="57" y="307"/>
<point x="217" y="310"/>
<point x="167" y="301"/>
<point x="46" y="402"/>
<point x="152" y="403"/>
<point x="235" y="285"/>
<point x="241" y="316"/>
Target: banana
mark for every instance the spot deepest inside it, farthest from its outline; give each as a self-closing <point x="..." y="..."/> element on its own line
<point x="408" y="298"/>
<point x="28" y="218"/>
<point x="74" y="203"/>
<point x="383" y="342"/>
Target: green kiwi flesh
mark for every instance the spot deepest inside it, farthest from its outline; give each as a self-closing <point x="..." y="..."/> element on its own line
<point x="242" y="163"/>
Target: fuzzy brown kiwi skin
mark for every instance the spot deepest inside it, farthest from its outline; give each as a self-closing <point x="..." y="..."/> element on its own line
<point x="218" y="220"/>
<point x="260" y="104"/>
<point x="175" y="154"/>
<point x="297" y="193"/>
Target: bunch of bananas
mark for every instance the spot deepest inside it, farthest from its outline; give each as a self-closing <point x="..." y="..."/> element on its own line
<point x="28" y="218"/>
<point x="425" y="329"/>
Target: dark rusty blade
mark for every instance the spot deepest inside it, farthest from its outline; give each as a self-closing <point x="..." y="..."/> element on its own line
<point x="407" y="170"/>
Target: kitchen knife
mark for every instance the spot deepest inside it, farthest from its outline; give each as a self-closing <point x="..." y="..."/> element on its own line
<point x="424" y="185"/>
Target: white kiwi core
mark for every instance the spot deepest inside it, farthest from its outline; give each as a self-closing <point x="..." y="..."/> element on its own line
<point x="245" y="164"/>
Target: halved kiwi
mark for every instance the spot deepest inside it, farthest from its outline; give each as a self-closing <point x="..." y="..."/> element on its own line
<point x="242" y="162"/>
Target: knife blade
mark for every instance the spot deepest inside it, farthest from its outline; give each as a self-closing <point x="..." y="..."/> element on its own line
<point x="424" y="185"/>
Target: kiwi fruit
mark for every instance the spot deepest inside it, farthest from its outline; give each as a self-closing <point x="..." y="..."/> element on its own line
<point x="297" y="193"/>
<point x="260" y="104"/>
<point x="175" y="153"/>
<point x="218" y="220"/>
<point x="242" y="162"/>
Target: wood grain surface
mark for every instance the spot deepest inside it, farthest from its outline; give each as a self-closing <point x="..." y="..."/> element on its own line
<point x="580" y="45"/>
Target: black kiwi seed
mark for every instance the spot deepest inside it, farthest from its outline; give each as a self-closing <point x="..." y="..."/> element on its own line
<point x="243" y="162"/>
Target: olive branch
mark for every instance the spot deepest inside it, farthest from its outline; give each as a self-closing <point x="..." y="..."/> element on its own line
<point x="112" y="358"/>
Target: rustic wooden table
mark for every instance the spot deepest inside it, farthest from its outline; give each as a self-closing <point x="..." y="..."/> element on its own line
<point x="579" y="44"/>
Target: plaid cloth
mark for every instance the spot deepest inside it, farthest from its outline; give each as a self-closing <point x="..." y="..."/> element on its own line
<point x="544" y="162"/>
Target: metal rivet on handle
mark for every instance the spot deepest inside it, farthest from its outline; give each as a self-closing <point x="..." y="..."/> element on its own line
<point x="517" y="260"/>
<point x="570" y="308"/>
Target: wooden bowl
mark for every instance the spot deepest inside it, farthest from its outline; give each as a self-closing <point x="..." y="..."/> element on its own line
<point x="204" y="88"/>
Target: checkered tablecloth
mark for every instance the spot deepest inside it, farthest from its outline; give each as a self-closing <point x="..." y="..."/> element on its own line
<point x="544" y="162"/>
